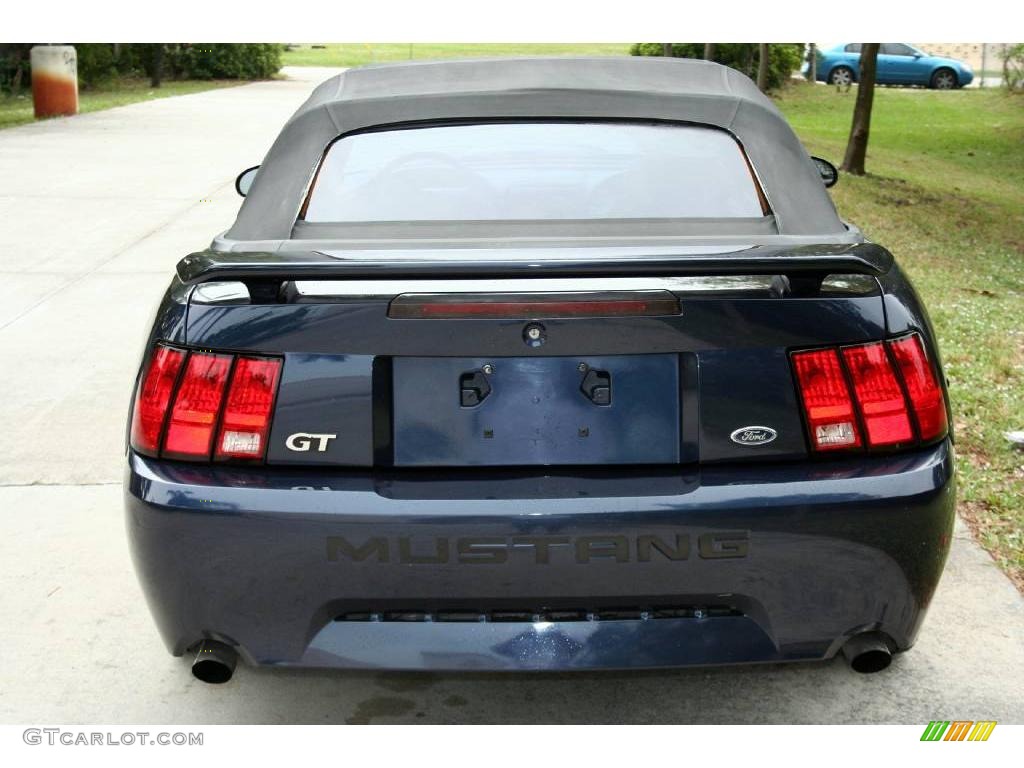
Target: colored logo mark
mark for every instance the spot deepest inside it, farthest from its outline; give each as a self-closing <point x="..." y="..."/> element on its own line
<point x="958" y="730"/>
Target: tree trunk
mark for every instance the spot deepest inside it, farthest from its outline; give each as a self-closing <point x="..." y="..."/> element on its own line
<point x="857" y="147"/>
<point x="156" y="72"/>
<point x="709" y="51"/>
<point x="762" y="67"/>
<point x="666" y="49"/>
<point x="812" y="62"/>
<point x="18" y="55"/>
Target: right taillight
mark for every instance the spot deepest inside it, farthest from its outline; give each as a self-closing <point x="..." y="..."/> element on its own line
<point x="880" y="394"/>
<point x="826" y="398"/>
<point x="185" y="398"/>
<point x="922" y="386"/>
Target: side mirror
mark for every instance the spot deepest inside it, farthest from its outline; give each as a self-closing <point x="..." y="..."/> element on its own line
<point x="244" y="181"/>
<point x="829" y="173"/>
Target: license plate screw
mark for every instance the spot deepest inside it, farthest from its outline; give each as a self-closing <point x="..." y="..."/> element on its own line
<point x="487" y="368"/>
<point x="584" y="432"/>
<point x="582" y="367"/>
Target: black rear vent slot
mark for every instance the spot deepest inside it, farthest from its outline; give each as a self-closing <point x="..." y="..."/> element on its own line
<point x="533" y="616"/>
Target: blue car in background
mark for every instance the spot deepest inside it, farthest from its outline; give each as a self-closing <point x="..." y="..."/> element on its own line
<point x="898" y="64"/>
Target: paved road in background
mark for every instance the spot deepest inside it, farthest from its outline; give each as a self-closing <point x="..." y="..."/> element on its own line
<point x="94" y="213"/>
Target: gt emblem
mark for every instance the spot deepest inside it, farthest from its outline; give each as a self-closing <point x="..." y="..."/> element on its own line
<point x="753" y="435"/>
<point x="303" y="441"/>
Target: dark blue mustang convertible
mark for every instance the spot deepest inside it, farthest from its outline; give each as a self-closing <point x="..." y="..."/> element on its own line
<point x="539" y="365"/>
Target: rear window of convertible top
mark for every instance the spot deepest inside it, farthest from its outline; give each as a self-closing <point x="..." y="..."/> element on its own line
<point x="530" y="171"/>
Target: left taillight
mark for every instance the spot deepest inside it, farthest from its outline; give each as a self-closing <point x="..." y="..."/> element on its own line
<point x="250" y="405"/>
<point x="196" y="407"/>
<point x="186" y="398"/>
<point x="153" y="397"/>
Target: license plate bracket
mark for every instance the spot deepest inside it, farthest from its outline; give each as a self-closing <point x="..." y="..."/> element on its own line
<point x="614" y="409"/>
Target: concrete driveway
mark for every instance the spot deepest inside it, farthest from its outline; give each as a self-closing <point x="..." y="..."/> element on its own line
<point x="94" y="213"/>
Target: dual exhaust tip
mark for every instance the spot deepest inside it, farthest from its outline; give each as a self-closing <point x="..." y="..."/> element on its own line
<point x="866" y="653"/>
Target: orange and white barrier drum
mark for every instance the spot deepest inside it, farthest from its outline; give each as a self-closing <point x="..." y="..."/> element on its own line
<point x="54" y="80"/>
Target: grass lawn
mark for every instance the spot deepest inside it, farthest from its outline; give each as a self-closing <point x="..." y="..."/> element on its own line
<point x="946" y="195"/>
<point x="356" y="54"/>
<point x="18" y="110"/>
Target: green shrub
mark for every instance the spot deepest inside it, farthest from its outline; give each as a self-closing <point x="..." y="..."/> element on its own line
<point x="97" y="63"/>
<point x="1013" y="67"/>
<point x="14" y="67"/>
<point x="244" y="61"/>
<point x="783" y="58"/>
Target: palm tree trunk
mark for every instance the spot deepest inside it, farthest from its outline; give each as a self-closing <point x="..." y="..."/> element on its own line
<point x="709" y="51"/>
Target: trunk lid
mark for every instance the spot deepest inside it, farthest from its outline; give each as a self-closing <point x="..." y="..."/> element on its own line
<point x="697" y="370"/>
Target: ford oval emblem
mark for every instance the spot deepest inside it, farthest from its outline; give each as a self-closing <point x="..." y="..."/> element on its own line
<point x="753" y="435"/>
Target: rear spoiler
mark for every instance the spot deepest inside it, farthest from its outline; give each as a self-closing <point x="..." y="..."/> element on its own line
<point x="804" y="265"/>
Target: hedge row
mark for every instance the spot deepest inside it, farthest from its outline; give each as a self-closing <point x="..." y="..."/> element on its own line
<point x="783" y="58"/>
<point x="101" y="62"/>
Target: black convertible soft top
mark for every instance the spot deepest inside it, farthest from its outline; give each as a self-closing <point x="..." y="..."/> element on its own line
<point x="626" y="88"/>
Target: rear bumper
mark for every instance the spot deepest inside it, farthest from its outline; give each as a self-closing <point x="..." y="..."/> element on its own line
<point x="507" y="570"/>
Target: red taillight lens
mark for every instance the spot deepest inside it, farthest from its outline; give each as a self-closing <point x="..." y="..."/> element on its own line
<point x="922" y="387"/>
<point x="879" y="396"/>
<point x="888" y="380"/>
<point x="196" y="406"/>
<point x="826" y="399"/>
<point x="246" y="423"/>
<point x="193" y="387"/>
<point x="153" y="397"/>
